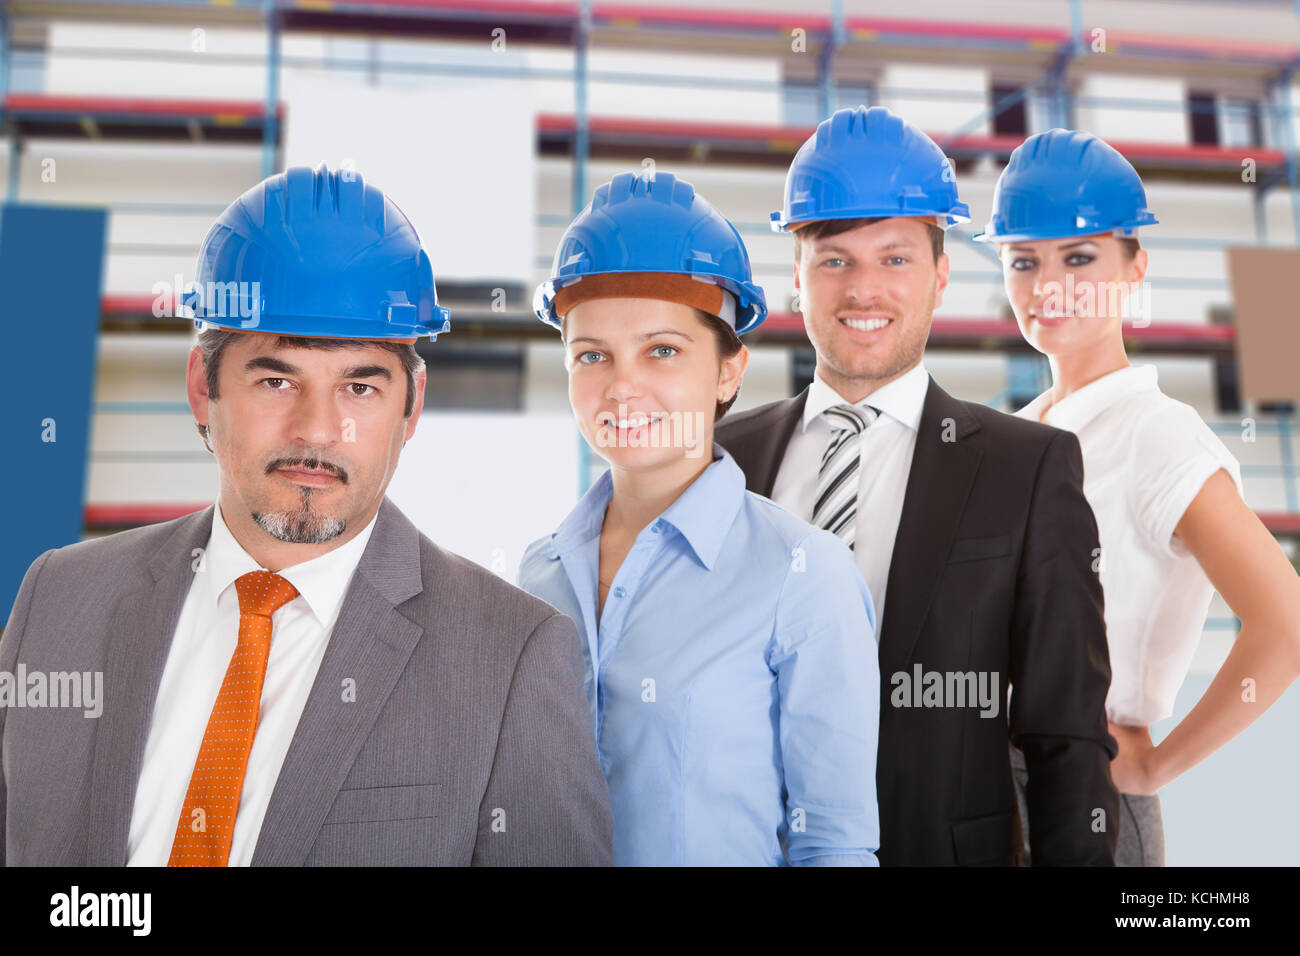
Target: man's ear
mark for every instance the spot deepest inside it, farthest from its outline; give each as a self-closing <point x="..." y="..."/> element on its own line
<point x="798" y="289"/>
<point x="196" y="385"/>
<point x="420" y="378"/>
<point x="941" y="278"/>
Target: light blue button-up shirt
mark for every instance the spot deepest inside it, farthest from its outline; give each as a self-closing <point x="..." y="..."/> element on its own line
<point x="732" y="678"/>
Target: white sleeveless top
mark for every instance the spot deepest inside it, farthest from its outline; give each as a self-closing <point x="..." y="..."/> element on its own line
<point x="1145" y="457"/>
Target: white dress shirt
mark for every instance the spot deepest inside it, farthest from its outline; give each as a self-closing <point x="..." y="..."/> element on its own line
<point x="885" y="463"/>
<point x="197" y="661"/>
<point x="1145" y="457"/>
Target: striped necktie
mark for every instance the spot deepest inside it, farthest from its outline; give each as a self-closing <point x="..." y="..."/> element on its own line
<point x="836" y="502"/>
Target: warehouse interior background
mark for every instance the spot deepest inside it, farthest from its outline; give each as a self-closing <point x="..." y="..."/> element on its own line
<point x="491" y="123"/>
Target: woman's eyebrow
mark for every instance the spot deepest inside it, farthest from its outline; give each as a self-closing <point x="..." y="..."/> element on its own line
<point x="643" y="336"/>
<point x="651" y="335"/>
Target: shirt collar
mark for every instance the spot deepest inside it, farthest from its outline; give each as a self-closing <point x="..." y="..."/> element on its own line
<point x="902" y="399"/>
<point x="703" y="514"/>
<point x="322" y="582"/>
<point x="1083" y="405"/>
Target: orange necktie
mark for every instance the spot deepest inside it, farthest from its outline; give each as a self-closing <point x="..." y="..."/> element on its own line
<point x="207" y="822"/>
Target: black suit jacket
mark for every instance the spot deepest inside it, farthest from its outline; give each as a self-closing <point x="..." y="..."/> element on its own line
<point x="992" y="572"/>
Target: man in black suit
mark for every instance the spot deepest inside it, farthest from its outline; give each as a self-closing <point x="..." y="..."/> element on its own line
<point x="991" y="578"/>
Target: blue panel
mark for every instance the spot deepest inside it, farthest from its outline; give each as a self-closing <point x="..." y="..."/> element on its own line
<point x="51" y="264"/>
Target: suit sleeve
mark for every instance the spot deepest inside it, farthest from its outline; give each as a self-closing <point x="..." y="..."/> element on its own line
<point x="9" y="643"/>
<point x="1060" y="671"/>
<point x="546" y="803"/>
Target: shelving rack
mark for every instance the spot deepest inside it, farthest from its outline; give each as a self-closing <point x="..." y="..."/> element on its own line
<point x="836" y="46"/>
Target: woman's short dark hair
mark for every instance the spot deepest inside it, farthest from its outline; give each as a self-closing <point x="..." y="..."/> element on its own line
<point x="729" y="344"/>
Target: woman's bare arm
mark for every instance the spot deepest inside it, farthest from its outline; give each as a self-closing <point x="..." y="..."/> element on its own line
<point x="1246" y="566"/>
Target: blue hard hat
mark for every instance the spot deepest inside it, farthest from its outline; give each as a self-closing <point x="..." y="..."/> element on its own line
<point x="316" y="253"/>
<point x="1065" y="183"/>
<point x="868" y="163"/>
<point x="653" y="223"/>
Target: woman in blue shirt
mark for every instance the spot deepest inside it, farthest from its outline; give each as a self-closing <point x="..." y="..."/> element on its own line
<point x="730" y="660"/>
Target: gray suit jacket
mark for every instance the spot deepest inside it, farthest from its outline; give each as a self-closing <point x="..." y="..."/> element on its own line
<point x="467" y="742"/>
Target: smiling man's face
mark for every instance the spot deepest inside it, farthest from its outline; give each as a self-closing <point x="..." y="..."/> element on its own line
<point x="306" y="440"/>
<point x="867" y="297"/>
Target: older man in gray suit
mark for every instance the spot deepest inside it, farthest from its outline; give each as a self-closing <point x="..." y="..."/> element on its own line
<point x="296" y="675"/>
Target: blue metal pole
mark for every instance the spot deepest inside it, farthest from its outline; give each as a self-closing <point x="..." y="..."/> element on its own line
<point x="1261" y="213"/>
<point x="1290" y="477"/>
<point x="582" y="138"/>
<point x="271" y="129"/>
<point x="581" y="147"/>
<point x="15" y="151"/>
<point x="1058" y="112"/>
<point x="826" y="63"/>
<point x="1060" y="89"/>
<point x="1284" y="126"/>
<point x="1076" y="25"/>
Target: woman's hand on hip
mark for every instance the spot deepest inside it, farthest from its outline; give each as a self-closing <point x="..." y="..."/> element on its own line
<point x="1133" y="768"/>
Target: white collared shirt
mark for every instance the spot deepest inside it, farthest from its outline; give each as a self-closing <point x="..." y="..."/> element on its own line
<point x="200" y="654"/>
<point x="885" y="463"/>
<point x="1145" y="457"/>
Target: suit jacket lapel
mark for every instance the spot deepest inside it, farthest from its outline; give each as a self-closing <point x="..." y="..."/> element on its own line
<point x="141" y="628"/>
<point x="759" y="450"/>
<point x="368" y="649"/>
<point x="943" y="470"/>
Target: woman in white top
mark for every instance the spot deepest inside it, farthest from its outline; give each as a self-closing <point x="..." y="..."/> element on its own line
<point x="1165" y="491"/>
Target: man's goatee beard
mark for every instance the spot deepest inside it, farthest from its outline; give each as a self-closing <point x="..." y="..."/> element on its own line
<point x="302" y="526"/>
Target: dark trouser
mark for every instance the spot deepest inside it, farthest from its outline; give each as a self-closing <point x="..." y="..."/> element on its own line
<point x="1141" y="832"/>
